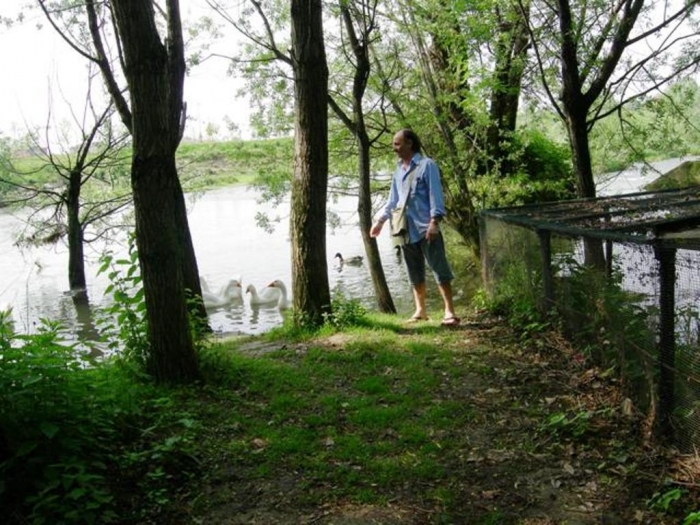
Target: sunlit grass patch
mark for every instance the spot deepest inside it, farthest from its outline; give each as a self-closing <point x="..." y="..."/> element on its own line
<point x="351" y="417"/>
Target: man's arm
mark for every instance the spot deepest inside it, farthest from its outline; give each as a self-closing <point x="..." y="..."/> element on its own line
<point x="376" y="228"/>
<point x="437" y="199"/>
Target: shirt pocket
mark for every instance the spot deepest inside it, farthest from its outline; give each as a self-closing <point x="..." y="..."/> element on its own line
<point x="420" y="186"/>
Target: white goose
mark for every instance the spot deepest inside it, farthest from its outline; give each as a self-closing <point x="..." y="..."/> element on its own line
<point x="274" y="293"/>
<point x="266" y="296"/>
<point x="355" y="260"/>
<point x="282" y="303"/>
<point x="231" y="293"/>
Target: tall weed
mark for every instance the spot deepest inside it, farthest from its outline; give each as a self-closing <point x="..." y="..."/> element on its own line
<point x="124" y="323"/>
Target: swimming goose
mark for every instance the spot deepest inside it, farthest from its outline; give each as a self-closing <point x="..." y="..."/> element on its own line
<point x="204" y="284"/>
<point x="267" y="295"/>
<point x="355" y="260"/>
<point x="282" y="303"/>
<point x="230" y="293"/>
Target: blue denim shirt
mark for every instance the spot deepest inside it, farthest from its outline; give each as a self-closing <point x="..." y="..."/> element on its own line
<point x="426" y="199"/>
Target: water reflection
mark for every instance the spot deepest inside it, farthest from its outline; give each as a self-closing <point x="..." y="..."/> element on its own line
<point x="85" y="329"/>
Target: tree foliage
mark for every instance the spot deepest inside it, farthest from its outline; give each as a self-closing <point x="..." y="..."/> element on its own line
<point x="595" y="57"/>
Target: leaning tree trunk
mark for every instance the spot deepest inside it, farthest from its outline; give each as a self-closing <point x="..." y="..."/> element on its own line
<point x="385" y="302"/>
<point x="190" y="267"/>
<point x="155" y="75"/>
<point x="310" y="180"/>
<point x="362" y="68"/>
<point x="511" y="58"/>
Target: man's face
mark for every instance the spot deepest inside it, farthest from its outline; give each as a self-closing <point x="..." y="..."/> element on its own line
<point x="402" y="148"/>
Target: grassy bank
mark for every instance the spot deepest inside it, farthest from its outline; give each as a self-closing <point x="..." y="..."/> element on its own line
<point x="210" y="165"/>
<point x="382" y="423"/>
<point x="201" y="165"/>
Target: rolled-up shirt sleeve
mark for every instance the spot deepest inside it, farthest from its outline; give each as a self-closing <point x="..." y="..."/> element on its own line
<point x="437" y="199"/>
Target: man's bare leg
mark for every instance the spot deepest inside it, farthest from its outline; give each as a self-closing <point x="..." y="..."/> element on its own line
<point x="446" y="293"/>
<point x="419" y="299"/>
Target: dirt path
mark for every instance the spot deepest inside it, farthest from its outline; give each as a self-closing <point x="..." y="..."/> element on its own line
<point x="551" y="441"/>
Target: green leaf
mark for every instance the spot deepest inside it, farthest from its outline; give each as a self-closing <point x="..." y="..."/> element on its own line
<point x="31" y="380"/>
<point x="77" y="493"/>
<point x="27" y="448"/>
<point x="49" y="429"/>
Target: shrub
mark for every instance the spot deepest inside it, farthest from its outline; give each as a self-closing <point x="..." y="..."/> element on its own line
<point x="345" y="313"/>
<point x="56" y="427"/>
<point x="124" y="324"/>
<point x="74" y="433"/>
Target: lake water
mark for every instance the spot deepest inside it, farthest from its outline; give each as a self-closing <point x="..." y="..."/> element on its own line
<point x="634" y="178"/>
<point x="227" y="243"/>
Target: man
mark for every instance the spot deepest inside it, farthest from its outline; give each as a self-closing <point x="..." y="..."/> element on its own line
<point x="425" y="209"/>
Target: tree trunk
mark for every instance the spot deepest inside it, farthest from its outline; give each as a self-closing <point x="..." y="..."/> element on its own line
<point x="76" y="256"/>
<point x="161" y="255"/>
<point x="190" y="267"/>
<point x="581" y="153"/>
<point x="511" y="57"/>
<point x="311" y="290"/>
<point x="358" y="127"/>
<point x="385" y="303"/>
<point x="155" y="75"/>
<point x="594" y="254"/>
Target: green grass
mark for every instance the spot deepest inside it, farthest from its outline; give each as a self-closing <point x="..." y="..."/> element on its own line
<point x="341" y="415"/>
<point x="203" y="165"/>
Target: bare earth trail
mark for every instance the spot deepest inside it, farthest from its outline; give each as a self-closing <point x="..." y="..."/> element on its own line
<point x="550" y="440"/>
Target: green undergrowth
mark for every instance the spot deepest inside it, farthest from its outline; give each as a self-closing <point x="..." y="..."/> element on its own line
<point x="76" y="434"/>
<point x="467" y="425"/>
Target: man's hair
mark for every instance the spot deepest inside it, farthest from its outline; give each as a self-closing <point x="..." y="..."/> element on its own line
<point x="409" y="134"/>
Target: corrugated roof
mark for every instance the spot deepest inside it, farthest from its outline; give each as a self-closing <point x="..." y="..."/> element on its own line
<point x="669" y="216"/>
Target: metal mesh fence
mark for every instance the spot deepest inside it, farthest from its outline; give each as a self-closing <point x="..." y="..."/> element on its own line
<point x="638" y="316"/>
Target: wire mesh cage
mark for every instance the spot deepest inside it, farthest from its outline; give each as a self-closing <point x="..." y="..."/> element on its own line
<point x="622" y="274"/>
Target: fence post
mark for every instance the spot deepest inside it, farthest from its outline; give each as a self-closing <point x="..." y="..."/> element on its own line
<point x="484" y="256"/>
<point x="608" y="258"/>
<point x="547" y="278"/>
<point x="667" y="339"/>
